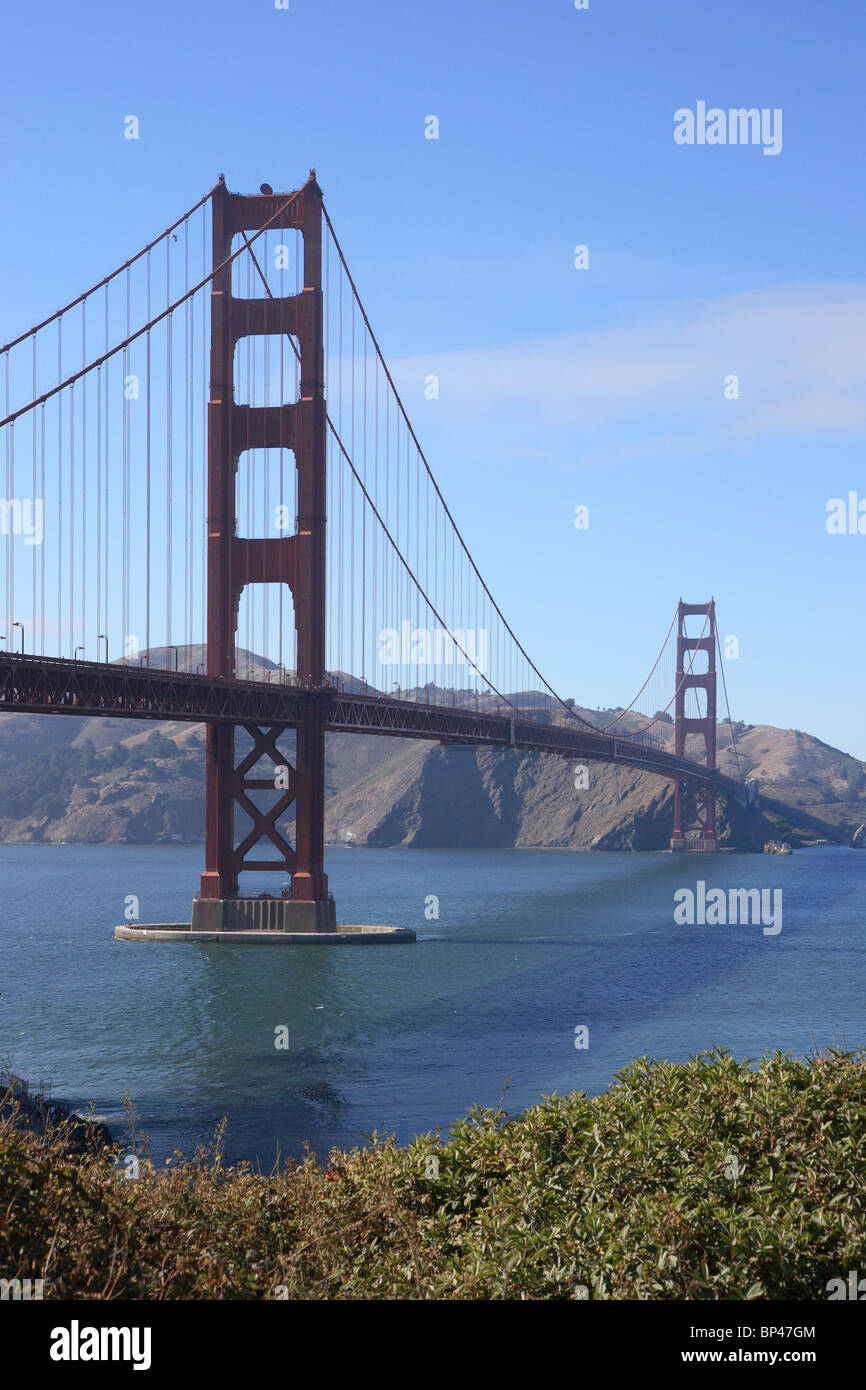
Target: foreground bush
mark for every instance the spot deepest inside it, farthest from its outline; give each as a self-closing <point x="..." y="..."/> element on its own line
<point x="710" y="1179"/>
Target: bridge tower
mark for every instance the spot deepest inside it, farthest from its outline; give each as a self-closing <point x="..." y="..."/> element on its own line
<point x="297" y="560"/>
<point x="687" y="679"/>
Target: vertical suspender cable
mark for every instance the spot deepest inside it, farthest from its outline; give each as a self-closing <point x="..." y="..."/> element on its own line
<point x="364" y="540"/>
<point x="147" y="467"/>
<point x="71" y="596"/>
<point x="10" y="493"/>
<point x="188" y="437"/>
<point x="127" y="475"/>
<point x="376" y="537"/>
<point x="99" y="465"/>
<point x="266" y="480"/>
<point x="42" y="547"/>
<point x="41" y="502"/>
<point x="60" y="644"/>
<point x="84" y="479"/>
<point x="352" y="491"/>
<point x="106" y="477"/>
<point x="168" y="458"/>
<point x="340" y="504"/>
<point x="204" y="432"/>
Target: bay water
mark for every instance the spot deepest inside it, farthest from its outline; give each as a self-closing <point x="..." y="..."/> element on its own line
<point x="517" y="952"/>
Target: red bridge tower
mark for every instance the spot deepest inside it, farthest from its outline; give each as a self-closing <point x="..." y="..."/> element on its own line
<point x="687" y="679"/>
<point x="297" y="560"/>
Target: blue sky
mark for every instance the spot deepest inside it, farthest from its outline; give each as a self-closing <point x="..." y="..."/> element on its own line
<point x="558" y="386"/>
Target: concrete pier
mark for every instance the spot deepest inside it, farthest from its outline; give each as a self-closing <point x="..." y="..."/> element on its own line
<point x="263" y="914"/>
<point x="343" y="936"/>
<point x="264" y="920"/>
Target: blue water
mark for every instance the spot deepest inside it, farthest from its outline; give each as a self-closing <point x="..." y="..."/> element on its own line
<point x="403" y="1039"/>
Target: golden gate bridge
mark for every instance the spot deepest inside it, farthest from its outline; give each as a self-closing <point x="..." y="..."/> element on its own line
<point x="206" y="451"/>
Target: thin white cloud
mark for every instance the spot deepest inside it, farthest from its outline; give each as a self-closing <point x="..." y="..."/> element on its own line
<point x="797" y="352"/>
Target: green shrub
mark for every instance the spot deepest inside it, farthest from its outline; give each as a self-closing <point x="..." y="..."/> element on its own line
<point x="706" y="1180"/>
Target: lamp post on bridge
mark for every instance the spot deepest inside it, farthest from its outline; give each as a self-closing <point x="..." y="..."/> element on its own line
<point x="21" y="625"/>
<point x="102" y="638"/>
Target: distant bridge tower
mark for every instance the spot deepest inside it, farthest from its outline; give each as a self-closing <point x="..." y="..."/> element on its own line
<point x="297" y="560"/>
<point x="688" y="679"/>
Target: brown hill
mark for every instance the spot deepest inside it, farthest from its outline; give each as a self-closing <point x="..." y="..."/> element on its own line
<point x="116" y="781"/>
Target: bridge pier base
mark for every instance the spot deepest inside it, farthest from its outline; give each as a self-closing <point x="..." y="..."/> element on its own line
<point x="343" y="936"/>
<point x="263" y="914"/>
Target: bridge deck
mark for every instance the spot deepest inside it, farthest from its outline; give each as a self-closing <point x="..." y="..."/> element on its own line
<point x="48" y="685"/>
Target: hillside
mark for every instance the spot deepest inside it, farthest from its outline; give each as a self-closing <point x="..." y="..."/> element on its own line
<point x="104" y="781"/>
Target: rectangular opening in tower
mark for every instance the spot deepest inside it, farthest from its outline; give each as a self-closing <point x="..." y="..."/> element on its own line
<point x="267" y="370"/>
